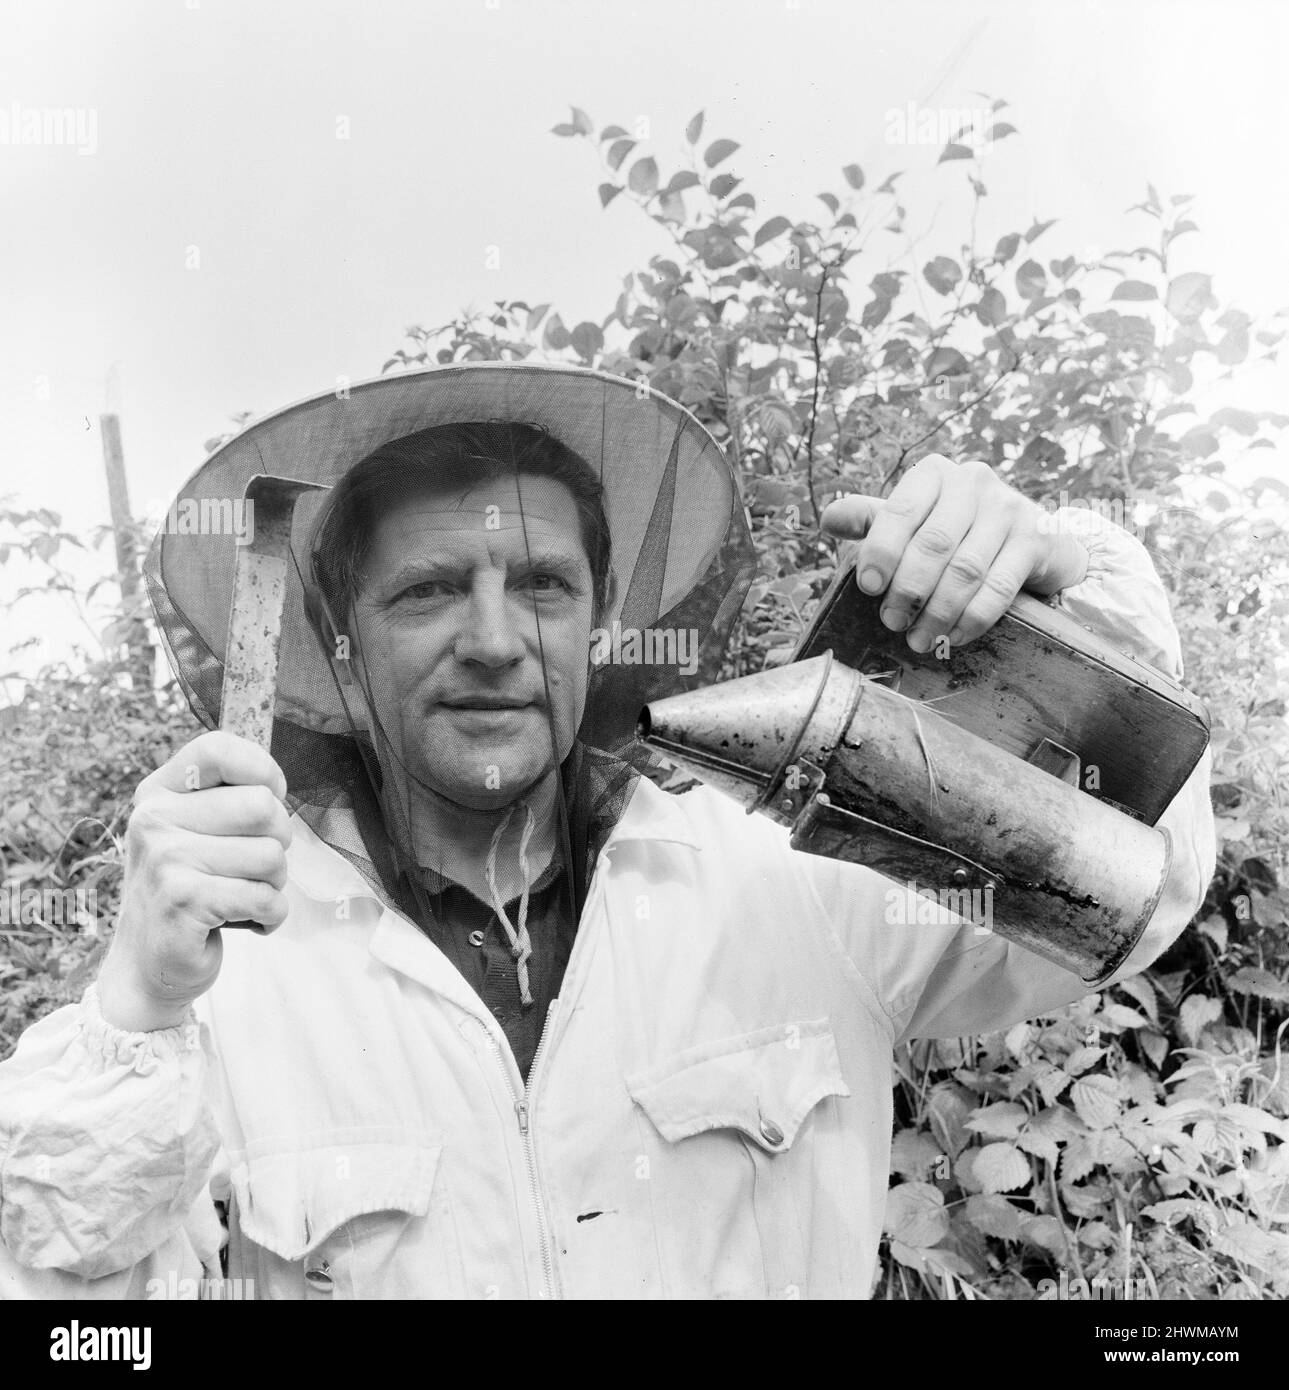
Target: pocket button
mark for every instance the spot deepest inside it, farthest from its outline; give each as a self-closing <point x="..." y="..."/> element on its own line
<point x="319" y="1277"/>
<point x="771" y="1133"/>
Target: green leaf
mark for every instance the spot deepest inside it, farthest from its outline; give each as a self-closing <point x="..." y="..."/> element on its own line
<point x="1078" y="1160"/>
<point x="609" y="191"/>
<point x="1134" y="289"/>
<point x="555" y="336"/>
<point x="1038" y="229"/>
<point x="1139" y="989"/>
<point x="776" y="226"/>
<point x="853" y="175"/>
<point x="1043" y="1231"/>
<point x="952" y="151"/>
<point x="992" y="309"/>
<point x="643" y="177"/>
<point x="581" y="121"/>
<point x="587" y="340"/>
<point x="612" y="132"/>
<point x="718" y="150"/>
<point x="1031" y="280"/>
<point x="1006" y="247"/>
<point x="829" y="200"/>
<point x="915" y="1214"/>
<point x="942" y="274"/>
<point x="1119" y="1016"/>
<point x="724" y="184"/>
<point x="1000" y="131"/>
<point x="694" y="129"/>
<point x="1001" y="1168"/>
<point x="563" y="129"/>
<point x="1155" y="1046"/>
<point x="685" y="178"/>
<point x="1265" y="1251"/>
<point x="947" y="1108"/>
<point x="993" y="1215"/>
<point x="1197" y="1012"/>
<point x="1241" y="421"/>
<point x="1001" y="1121"/>
<point x="535" y="316"/>
<point x="671" y="207"/>
<point x="913" y="1155"/>
<point x="1234" y="347"/>
<point x="1251" y="979"/>
<point x="618" y="151"/>
<point x="1096" y="1100"/>
<point x="1189" y="296"/>
<point x="946" y="361"/>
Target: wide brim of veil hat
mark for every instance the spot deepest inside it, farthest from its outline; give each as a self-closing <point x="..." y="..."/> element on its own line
<point x="681" y="550"/>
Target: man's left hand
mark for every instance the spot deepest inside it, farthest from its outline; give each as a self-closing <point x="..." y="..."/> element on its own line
<point x="951" y="547"/>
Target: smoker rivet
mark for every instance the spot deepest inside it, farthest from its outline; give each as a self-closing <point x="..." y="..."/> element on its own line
<point x="475" y="938"/>
<point x="320" y="1277"/>
<point x="771" y="1132"/>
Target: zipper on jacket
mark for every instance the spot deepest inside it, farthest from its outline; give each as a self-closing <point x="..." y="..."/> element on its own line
<point x="523" y="1110"/>
<point x="522" y="1114"/>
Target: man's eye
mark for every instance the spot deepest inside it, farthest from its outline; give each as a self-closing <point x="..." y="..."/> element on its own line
<point x="545" y="583"/>
<point x="427" y="588"/>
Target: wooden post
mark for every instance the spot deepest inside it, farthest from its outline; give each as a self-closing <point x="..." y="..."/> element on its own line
<point x="140" y="649"/>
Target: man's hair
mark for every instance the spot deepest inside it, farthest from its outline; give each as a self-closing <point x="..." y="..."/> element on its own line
<point x="448" y="457"/>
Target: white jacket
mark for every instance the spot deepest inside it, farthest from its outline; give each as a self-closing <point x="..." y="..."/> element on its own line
<point x="708" y="1114"/>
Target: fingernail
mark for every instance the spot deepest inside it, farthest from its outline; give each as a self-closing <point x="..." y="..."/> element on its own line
<point x="871" y="581"/>
<point x="895" y="619"/>
<point x="919" y="641"/>
<point x="955" y="637"/>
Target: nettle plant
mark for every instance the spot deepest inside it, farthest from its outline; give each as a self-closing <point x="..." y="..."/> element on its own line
<point x="1139" y="1135"/>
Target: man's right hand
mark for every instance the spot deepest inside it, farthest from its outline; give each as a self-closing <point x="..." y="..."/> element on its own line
<point x="206" y="844"/>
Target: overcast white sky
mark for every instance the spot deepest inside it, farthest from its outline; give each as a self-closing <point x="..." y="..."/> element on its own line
<point x="216" y="128"/>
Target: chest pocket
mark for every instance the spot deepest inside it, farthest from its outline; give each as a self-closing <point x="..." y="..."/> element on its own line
<point x="747" y="1162"/>
<point x="354" y="1214"/>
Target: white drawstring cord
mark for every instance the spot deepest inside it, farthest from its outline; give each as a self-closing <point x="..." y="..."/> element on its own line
<point x="521" y="946"/>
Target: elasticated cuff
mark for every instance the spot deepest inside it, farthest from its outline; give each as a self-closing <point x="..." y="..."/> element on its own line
<point x="139" y="1052"/>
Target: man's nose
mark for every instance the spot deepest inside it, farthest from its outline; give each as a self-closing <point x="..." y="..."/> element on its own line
<point x="489" y="635"/>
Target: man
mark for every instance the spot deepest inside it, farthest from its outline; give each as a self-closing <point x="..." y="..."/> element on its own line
<point x="519" y="1023"/>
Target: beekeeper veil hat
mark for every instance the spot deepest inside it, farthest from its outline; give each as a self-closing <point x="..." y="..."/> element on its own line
<point x="678" y="550"/>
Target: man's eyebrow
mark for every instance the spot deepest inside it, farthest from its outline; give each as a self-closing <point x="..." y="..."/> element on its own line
<point x="568" y="563"/>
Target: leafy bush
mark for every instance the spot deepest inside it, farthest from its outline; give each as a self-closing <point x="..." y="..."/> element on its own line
<point x="1140" y="1134"/>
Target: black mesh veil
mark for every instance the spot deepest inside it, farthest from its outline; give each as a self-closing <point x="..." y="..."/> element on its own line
<point x="657" y="513"/>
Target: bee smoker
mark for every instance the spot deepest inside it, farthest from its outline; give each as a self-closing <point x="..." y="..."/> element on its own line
<point x="1026" y="769"/>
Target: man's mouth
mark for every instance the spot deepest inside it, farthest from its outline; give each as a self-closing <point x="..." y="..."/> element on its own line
<point x="486" y="702"/>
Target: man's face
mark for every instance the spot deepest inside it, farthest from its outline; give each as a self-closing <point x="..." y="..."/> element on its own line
<point x="447" y="619"/>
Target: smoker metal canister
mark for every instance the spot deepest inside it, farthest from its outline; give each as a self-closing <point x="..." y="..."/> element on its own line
<point x="863" y="774"/>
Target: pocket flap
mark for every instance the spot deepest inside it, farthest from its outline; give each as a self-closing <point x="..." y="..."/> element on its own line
<point x="763" y="1084"/>
<point x="290" y="1199"/>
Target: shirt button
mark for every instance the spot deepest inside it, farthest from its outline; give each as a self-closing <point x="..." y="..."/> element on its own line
<point x="771" y="1132"/>
<point x="319" y="1276"/>
<point x="475" y="938"/>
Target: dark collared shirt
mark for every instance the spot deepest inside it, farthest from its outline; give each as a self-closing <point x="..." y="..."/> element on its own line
<point x="467" y="930"/>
